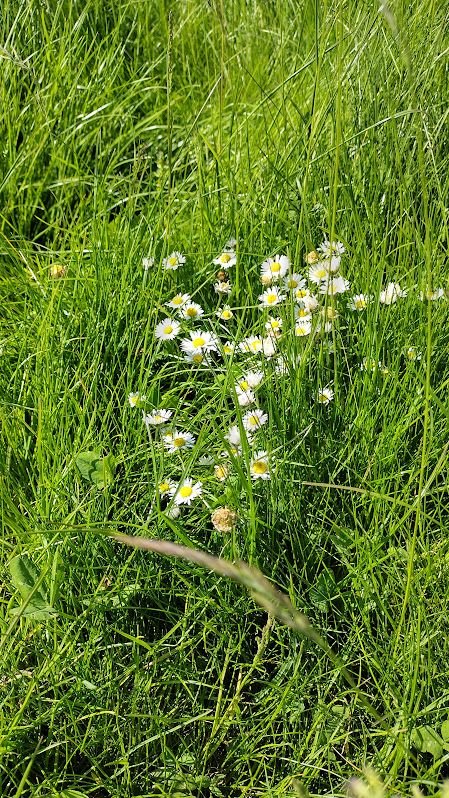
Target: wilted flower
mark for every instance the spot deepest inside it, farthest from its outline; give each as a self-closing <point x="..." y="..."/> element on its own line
<point x="224" y="519"/>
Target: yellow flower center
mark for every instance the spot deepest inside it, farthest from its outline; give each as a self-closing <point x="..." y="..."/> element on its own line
<point x="172" y="261"/>
<point x="225" y="258"/>
<point x="302" y="312"/>
<point x="177" y="300"/>
<point x="260" y="467"/>
<point x="221" y="472"/>
<point x="360" y="304"/>
<point x="227" y="314"/>
<point x="244" y="385"/>
<point x="163" y="487"/>
<point x="301" y="292"/>
<point x="178" y="442"/>
<point x="271" y="299"/>
<point x="185" y="491"/>
<point x="168" y="329"/>
<point x="292" y="283"/>
<point x="254" y="345"/>
<point x="275" y="267"/>
<point x="198" y="358"/>
<point x="253" y="421"/>
<point x="191" y="312"/>
<point x="198" y="341"/>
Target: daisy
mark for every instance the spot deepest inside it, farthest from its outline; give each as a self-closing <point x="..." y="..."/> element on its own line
<point x="274" y="325"/>
<point x="359" y="301"/>
<point x="325" y="395"/>
<point x="157" y="417"/>
<point x="294" y="281"/>
<point x="311" y="257"/>
<point x="227" y="259"/>
<point x="197" y="357"/>
<point x="276" y="267"/>
<point x="302" y="313"/>
<point x="328" y="248"/>
<point x="432" y="296"/>
<point x="330" y="313"/>
<point x="253" y="344"/>
<point x="245" y="397"/>
<point x="254" y="419"/>
<point x="187" y="491"/>
<point x="222" y="287"/>
<point x="225" y="313"/>
<point x="265" y="279"/>
<point x="391" y="294"/>
<point x="221" y="471"/>
<point x="253" y="379"/>
<point x="136" y="399"/>
<point x="318" y="272"/>
<point x="231" y="244"/>
<point x="260" y="466"/>
<point x="167" y="330"/>
<point x="334" y="285"/>
<point x="191" y="310"/>
<point x="178" y="301"/>
<point x="228" y="348"/>
<point x="303" y="327"/>
<point x="176" y="440"/>
<point x="412" y="353"/>
<point x="234" y="439"/>
<point x="269" y="346"/>
<point x="173" y="261"/>
<point x="199" y="340"/>
<point x="270" y="297"/>
<point x="300" y="294"/>
<point x="147" y="263"/>
<point x="167" y="487"/>
<point x="309" y="302"/>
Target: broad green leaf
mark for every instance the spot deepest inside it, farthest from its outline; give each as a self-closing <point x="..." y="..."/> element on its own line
<point x="445" y="730"/>
<point x="426" y="740"/>
<point x="25" y="576"/>
<point x="96" y="469"/>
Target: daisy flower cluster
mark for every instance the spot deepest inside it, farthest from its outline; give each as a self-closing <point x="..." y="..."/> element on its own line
<point x="297" y="309"/>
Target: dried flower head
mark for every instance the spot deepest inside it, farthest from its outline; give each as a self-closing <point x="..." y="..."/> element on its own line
<point x="224" y="519"/>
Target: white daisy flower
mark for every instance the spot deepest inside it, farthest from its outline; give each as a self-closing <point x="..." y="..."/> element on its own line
<point x="253" y="379"/>
<point x="309" y="302"/>
<point x="178" y="301"/>
<point x="136" y="399"/>
<point x="302" y="313"/>
<point x="412" y="353"/>
<point x="268" y="346"/>
<point x="167" y="487"/>
<point x="231" y="244"/>
<point x="228" y="348"/>
<point x="157" y="417"/>
<point x="198" y="357"/>
<point x="303" y="327"/>
<point x="260" y="466"/>
<point x="199" y="340"/>
<point x="266" y="279"/>
<point x="177" y="440"/>
<point x="271" y="297"/>
<point x="253" y="344"/>
<point x="191" y="311"/>
<point x="360" y="301"/>
<point x="334" y="285"/>
<point x="225" y="313"/>
<point x="329" y="313"/>
<point x="391" y="294"/>
<point x="167" y="329"/>
<point x="221" y="471"/>
<point x="254" y="419"/>
<point x="147" y="263"/>
<point x="274" y="325"/>
<point x="300" y="293"/>
<point x="293" y="281"/>
<point x="246" y="397"/>
<point x="318" y="272"/>
<point x="234" y="438"/>
<point x="432" y="296"/>
<point x="328" y="248"/>
<point x="325" y="395"/>
<point x="227" y="259"/>
<point x="173" y="261"/>
<point x="188" y="491"/>
<point x="173" y="512"/>
<point x="222" y="287"/>
<point x="275" y="268"/>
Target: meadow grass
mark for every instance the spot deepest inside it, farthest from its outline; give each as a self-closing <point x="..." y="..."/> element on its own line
<point x="133" y="129"/>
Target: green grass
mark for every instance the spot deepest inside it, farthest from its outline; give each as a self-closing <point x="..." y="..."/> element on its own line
<point x="131" y="129"/>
